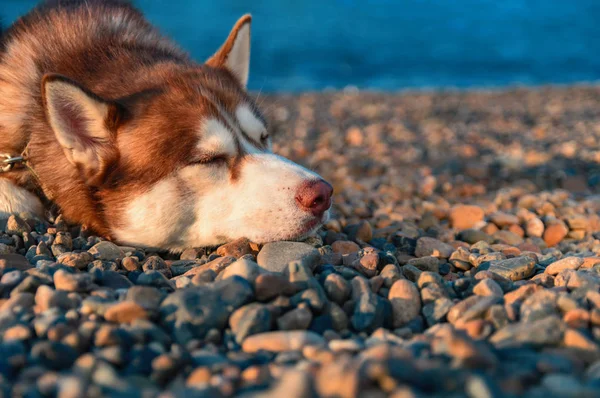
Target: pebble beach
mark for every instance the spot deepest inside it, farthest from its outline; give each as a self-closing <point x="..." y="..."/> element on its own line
<point x="462" y="259"/>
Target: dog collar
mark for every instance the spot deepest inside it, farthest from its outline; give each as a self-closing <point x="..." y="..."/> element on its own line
<point x="9" y="162"/>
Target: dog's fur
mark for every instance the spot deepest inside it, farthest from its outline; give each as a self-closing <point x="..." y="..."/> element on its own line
<point x="129" y="136"/>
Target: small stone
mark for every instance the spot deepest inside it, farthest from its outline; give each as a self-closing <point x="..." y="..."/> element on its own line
<point x="155" y="263"/>
<point x="13" y="261"/>
<point x="508" y="237"/>
<point x="361" y="231"/>
<point x="191" y="254"/>
<point x="344" y="247"/>
<point x="337" y="288"/>
<point x="339" y="319"/>
<point x="563" y="385"/>
<point x="575" y="339"/>
<point x="156" y="279"/>
<point x="472" y="307"/>
<point x="180" y="267"/>
<point x="428" y="263"/>
<point x="436" y="311"/>
<point x="433" y="247"/>
<point x="390" y="274"/>
<point x="17" y="332"/>
<point x="199" y="376"/>
<point x="125" y="312"/>
<point x="46" y="298"/>
<point x="566" y="263"/>
<point x="503" y="219"/>
<point x="411" y="272"/>
<point x="296" y="319"/>
<point x="539" y="305"/>
<point x="148" y="298"/>
<point x="367" y="262"/>
<point x="113" y="280"/>
<point x="276" y="256"/>
<point x="250" y="319"/>
<point x="76" y="260"/>
<point x="406" y="302"/>
<point x="64" y="280"/>
<point x="131" y="263"/>
<point x="237" y="248"/>
<point x="466" y="216"/>
<point x="106" y="251"/>
<point x="547" y="331"/>
<point x="53" y="354"/>
<point x="534" y="227"/>
<point x="487" y="287"/>
<point x="217" y="265"/>
<point x="555" y="233"/>
<point x="269" y="286"/>
<point x="244" y="268"/>
<point x="473" y="236"/>
<point x="577" y="318"/>
<point x="513" y="268"/>
<point x="17" y="226"/>
<point x="281" y="341"/>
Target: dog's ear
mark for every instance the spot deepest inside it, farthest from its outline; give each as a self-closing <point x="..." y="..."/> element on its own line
<point x="234" y="54"/>
<point x="84" y="125"/>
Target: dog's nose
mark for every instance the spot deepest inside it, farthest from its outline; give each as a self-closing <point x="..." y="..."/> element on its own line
<point x="315" y="196"/>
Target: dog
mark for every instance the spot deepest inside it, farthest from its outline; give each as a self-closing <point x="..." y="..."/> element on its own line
<point x="113" y="123"/>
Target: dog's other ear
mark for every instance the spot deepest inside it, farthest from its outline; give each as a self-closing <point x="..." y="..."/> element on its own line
<point x="84" y="125"/>
<point x="234" y="54"/>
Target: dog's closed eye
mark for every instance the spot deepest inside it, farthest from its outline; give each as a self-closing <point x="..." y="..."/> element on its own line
<point x="210" y="159"/>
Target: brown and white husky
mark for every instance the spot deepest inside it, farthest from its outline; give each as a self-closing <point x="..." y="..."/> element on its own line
<point x="127" y="135"/>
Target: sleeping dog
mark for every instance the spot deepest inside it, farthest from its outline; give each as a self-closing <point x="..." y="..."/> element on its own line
<point x="119" y="128"/>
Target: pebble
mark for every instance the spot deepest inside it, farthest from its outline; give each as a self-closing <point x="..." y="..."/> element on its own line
<point x="243" y="268"/>
<point x="297" y="319"/>
<point x="466" y="216"/>
<point x="72" y="282"/>
<point x="406" y="302"/>
<point x="566" y="263"/>
<point x="250" y="319"/>
<point x="280" y="341"/>
<point x="555" y="233"/>
<point x="125" y="312"/>
<point x="502" y="219"/>
<point x="428" y="263"/>
<point x="513" y="268"/>
<point x="269" y="286"/>
<point x="534" y="227"/>
<point x="275" y="257"/>
<point x="13" y="261"/>
<point x="337" y="288"/>
<point x="487" y="287"/>
<point x="15" y="225"/>
<point x="106" y="251"/>
<point x="147" y="297"/>
<point x="237" y="248"/>
<point x="433" y="247"/>
<point x="344" y="247"/>
<point x="546" y="331"/>
<point x="76" y="260"/>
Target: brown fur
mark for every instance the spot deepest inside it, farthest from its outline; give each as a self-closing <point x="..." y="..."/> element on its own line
<point x="152" y="86"/>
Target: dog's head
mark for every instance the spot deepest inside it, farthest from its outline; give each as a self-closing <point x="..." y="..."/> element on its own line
<point x="184" y="159"/>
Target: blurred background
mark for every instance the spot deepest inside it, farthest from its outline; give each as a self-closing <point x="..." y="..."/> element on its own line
<point x="390" y="44"/>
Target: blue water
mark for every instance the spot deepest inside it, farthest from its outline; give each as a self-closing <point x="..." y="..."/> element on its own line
<point x="391" y="44"/>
